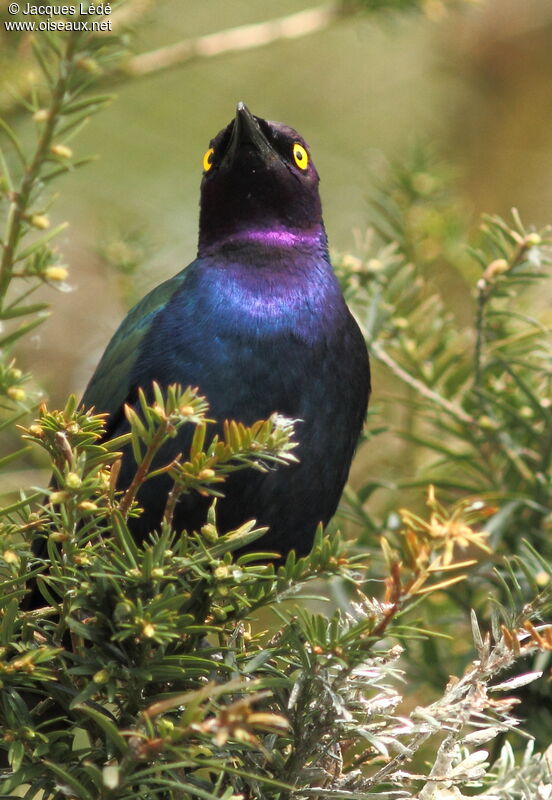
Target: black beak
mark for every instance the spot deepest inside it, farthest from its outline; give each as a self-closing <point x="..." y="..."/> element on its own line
<point x="246" y="131"/>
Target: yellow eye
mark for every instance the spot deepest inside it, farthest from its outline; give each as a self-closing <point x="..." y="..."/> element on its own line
<point x="300" y="155"/>
<point x="208" y="159"/>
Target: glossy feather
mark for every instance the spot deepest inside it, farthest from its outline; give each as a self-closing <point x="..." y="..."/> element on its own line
<point x="259" y="324"/>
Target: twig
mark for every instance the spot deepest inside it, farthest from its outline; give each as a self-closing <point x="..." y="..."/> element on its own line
<point x="142" y="470"/>
<point x="20" y="199"/>
<point x="440" y="771"/>
<point x="243" y="37"/>
<point x="420" y="387"/>
<point x="172" y="499"/>
<point x="485" y="287"/>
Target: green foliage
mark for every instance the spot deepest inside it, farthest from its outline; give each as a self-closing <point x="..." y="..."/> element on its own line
<point x="141" y="673"/>
<point x="122" y="635"/>
<point x="474" y="396"/>
<point x="480" y="395"/>
<point x="60" y="103"/>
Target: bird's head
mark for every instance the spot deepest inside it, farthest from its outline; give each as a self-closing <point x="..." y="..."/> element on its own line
<point x="259" y="184"/>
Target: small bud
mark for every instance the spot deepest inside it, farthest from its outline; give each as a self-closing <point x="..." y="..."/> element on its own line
<point x="487" y="423"/>
<point x="533" y="240"/>
<point x="41" y="115"/>
<point x="55" y="273"/>
<point x="57" y="536"/>
<point x="15" y="373"/>
<point x="23" y="665"/>
<point x="73" y="481"/>
<point x="104" y="479"/>
<point x="542" y="578"/>
<point x="148" y="630"/>
<point x="158" y="410"/>
<point x="40" y="221"/>
<point x="221" y="572"/>
<point x="497" y="267"/>
<point x="102" y="676"/>
<point x="87" y="505"/>
<point x="82" y="560"/>
<point x="206" y="473"/>
<point x="157" y="572"/>
<point x="165" y="726"/>
<point x="111" y="776"/>
<point x="58" y="497"/>
<point x="89" y="65"/>
<point x="209" y="533"/>
<point x="10" y="557"/>
<point x="187" y="411"/>
<point x="61" y="151"/>
<point x="16" y="393"/>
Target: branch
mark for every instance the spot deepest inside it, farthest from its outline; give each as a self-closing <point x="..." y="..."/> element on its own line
<point x="20" y="199"/>
<point x="232" y="40"/>
<point x="142" y="470"/>
<point x="420" y="387"/>
<point x="485" y="288"/>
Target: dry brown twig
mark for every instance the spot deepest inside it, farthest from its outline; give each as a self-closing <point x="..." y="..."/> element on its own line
<point x="240" y="38"/>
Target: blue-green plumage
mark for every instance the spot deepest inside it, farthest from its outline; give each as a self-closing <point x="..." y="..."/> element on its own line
<point x="258" y="322"/>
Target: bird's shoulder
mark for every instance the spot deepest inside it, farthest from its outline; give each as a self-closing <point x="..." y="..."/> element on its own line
<point x="108" y="386"/>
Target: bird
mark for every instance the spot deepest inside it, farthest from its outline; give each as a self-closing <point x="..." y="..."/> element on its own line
<point x="259" y="324"/>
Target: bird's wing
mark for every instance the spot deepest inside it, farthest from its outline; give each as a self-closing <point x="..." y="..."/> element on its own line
<point x="109" y="386"/>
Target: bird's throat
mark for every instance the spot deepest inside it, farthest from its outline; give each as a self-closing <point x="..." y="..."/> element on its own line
<point x="278" y="238"/>
<point x="282" y="238"/>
